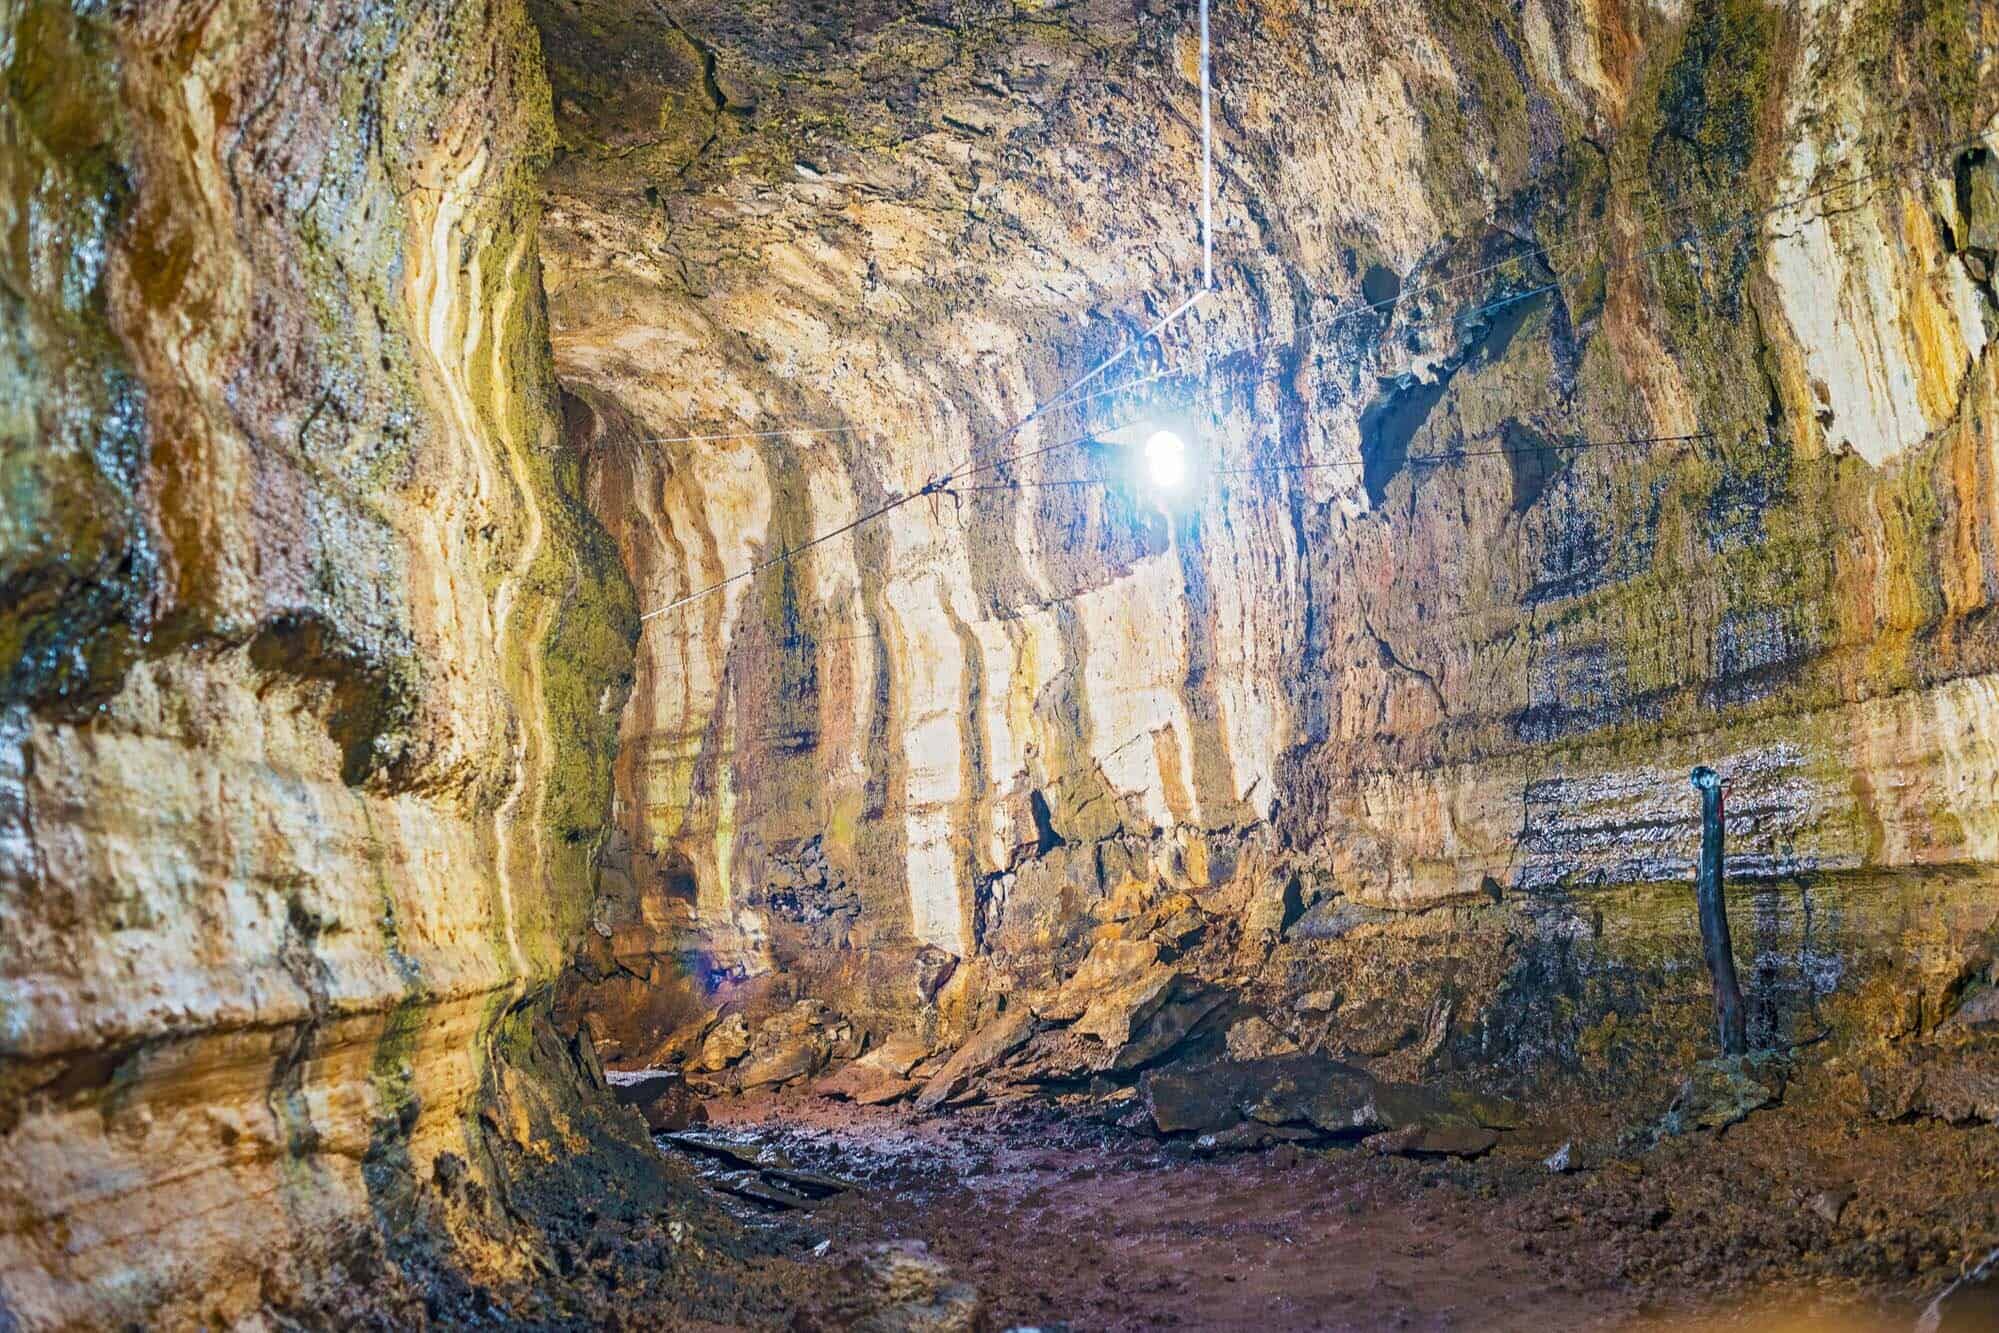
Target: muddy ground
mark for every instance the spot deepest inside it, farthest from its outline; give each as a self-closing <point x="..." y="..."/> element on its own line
<point x="1784" y="1220"/>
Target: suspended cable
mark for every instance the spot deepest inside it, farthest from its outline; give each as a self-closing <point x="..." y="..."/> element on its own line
<point x="1442" y="458"/>
<point x="946" y="482"/>
<point x="1658" y="213"/>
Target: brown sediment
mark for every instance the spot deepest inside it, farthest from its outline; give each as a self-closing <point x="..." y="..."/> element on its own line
<point x="376" y="376"/>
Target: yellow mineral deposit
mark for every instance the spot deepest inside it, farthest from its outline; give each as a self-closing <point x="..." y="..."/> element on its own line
<point x="973" y="666"/>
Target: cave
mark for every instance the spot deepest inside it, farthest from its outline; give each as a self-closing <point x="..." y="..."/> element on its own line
<point x="950" y="665"/>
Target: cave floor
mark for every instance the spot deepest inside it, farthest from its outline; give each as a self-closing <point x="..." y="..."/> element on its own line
<point x="1781" y="1221"/>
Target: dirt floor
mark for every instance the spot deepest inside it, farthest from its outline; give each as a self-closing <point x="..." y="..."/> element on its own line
<point x="1779" y="1222"/>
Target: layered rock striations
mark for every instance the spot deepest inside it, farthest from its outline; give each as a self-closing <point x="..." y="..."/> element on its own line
<point x="1589" y="391"/>
<point x="310" y="655"/>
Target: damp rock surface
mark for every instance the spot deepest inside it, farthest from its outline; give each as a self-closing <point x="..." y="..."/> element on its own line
<point x="396" y="396"/>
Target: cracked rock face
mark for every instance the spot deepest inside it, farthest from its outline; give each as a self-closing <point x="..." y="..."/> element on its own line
<point x="308" y="649"/>
<point x="1590" y="390"/>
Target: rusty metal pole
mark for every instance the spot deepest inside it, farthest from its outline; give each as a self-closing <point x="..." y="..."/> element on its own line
<point x="1715" y="942"/>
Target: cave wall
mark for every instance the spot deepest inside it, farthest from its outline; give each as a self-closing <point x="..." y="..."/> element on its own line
<point x="310" y="655"/>
<point x="932" y="762"/>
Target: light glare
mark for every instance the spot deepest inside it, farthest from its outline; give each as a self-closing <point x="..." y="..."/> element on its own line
<point x="1166" y="460"/>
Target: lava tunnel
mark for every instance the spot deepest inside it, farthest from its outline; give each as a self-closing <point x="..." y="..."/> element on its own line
<point x="954" y="665"/>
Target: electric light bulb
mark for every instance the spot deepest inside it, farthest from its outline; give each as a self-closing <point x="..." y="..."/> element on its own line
<point x="1166" y="460"/>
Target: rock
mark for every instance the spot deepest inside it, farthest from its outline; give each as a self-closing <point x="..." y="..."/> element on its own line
<point x="1830" y="1204"/>
<point x="987" y="1047"/>
<point x="683" y="1045"/>
<point x="748" y="1156"/>
<point x="1560" y="1160"/>
<point x="661" y="1096"/>
<point x="898" y="1054"/>
<point x="758" y="1190"/>
<point x="915" y="1293"/>
<point x="1253" y="1038"/>
<point x="1332" y="919"/>
<point x="1110" y="963"/>
<point x="635" y="1087"/>
<point x="878" y="1077"/>
<point x="1275" y="905"/>
<point x="1318" y="1002"/>
<point x="1432" y="1141"/>
<point x="1116" y="1013"/>
<point x="1961" y="1094"/>
<point x="934" y="968"/>
<point x="812" y="1184"/>
<point x="1335" y="1099"/>
<point x="881" y="1094"/>
<point x="1173" y="923"/>
<point x="1721" y="1092"/>
<point x="795" y="1058"/>
<point x="1979" y="1010"/>
<point x="1167" y="1029"/>
<point x="1186" y="1099"/>
<point x="1979" y="186"/>
<point x="727" y="1042"/>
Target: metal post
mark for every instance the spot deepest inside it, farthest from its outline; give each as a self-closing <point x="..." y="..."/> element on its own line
<point x="1715" y="942"/>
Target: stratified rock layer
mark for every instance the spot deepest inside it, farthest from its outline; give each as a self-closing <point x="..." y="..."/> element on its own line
<point x="309" y="656"/>
<point x="1590" y="390"/>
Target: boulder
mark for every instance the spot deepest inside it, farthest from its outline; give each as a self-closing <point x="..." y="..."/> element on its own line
<point x="987" y="1047"/>
<point x="793" y="1058"/>
<point x="1112" y="963"/>
<point x="1717" y="1093"/>
<point x="1118" y="1013"/>
<point x="882" y="1075"/>
<point x="661" y="1096"/>
<point x="1166" y="1029"/>
<point x="1336" y="1100"/>
<point x="727" y="1042"/>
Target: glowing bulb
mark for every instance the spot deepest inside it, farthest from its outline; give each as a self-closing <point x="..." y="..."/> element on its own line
<point x="1166" y="460"/>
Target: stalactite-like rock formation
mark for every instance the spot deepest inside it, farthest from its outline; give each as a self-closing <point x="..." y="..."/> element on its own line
<point x="309" y="654"/>
<point x="1594" y="390"/>
<point x="1591" y="389"/>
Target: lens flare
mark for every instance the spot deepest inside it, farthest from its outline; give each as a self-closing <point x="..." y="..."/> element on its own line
<point x="1166" y="460"/>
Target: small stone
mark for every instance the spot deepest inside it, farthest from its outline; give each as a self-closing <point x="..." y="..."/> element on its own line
<point x="1253" y="1038"/>
<point x="1830" y="1204"/>
<point x="1318" y="1002"/>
